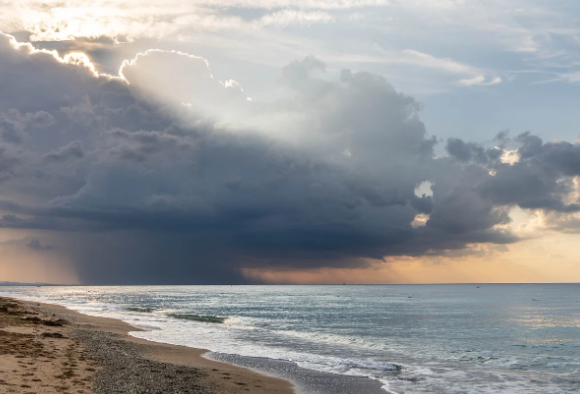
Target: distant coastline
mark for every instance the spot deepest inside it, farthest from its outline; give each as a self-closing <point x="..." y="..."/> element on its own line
<point x="7" y="283"/>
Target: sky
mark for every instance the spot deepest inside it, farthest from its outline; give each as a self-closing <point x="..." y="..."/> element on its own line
<point x="303" y="141"/>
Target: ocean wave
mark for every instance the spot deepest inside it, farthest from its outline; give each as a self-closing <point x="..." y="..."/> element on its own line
<point x="199" y="318"/>
<point x="140" y="310"/>
<point x="333" y="339"/>
<point x="443" y="363"/>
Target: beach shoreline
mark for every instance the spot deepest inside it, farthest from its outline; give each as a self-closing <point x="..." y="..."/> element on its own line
<point x="51" y="349"/>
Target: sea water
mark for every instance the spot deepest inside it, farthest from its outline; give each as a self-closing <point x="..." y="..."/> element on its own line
<point x="492" y="338"/>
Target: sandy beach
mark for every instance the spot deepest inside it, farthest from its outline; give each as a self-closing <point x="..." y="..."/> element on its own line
<point x="47" y="348"/>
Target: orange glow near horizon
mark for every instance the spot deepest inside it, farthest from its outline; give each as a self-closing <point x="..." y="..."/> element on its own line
<point x="18" y="268"/>
<point x="19" y="263"/>
<point x="553" y="258"/>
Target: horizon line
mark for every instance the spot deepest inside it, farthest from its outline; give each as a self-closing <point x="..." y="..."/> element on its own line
<point x="9" y="283"/>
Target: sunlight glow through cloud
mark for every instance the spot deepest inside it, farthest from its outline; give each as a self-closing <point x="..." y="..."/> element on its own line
<point x="371" y="135"/>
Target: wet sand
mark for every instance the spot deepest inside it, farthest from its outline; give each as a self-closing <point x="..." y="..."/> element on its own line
<point x="308" y="380"/>
<point x="47" y="349"/>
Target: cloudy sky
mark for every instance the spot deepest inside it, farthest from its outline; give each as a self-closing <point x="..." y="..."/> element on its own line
<point x="278" y="141"/>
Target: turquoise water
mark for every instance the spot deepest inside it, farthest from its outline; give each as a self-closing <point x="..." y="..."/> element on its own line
<point x="498" y="338"/>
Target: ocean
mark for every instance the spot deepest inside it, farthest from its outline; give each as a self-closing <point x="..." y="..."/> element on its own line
<point x="495" y="338"/>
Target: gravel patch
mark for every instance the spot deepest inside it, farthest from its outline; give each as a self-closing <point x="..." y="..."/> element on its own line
<point x="123" y="369"/>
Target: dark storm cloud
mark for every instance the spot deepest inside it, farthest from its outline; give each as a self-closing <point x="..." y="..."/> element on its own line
<point x="141" y="146"/>
<point x="541" y="179"/>
<point x="174" y="177"/>
<point x="9" y="159"/>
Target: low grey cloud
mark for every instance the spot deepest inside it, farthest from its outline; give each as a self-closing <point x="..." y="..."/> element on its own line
<point x="35" y="244"/>
<point x="13" y="125"/>
<point x="172" y="176"/>
<point x="32" y="243"/>
<point x="471" y="152"/>
<point x="70" y="151"/>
